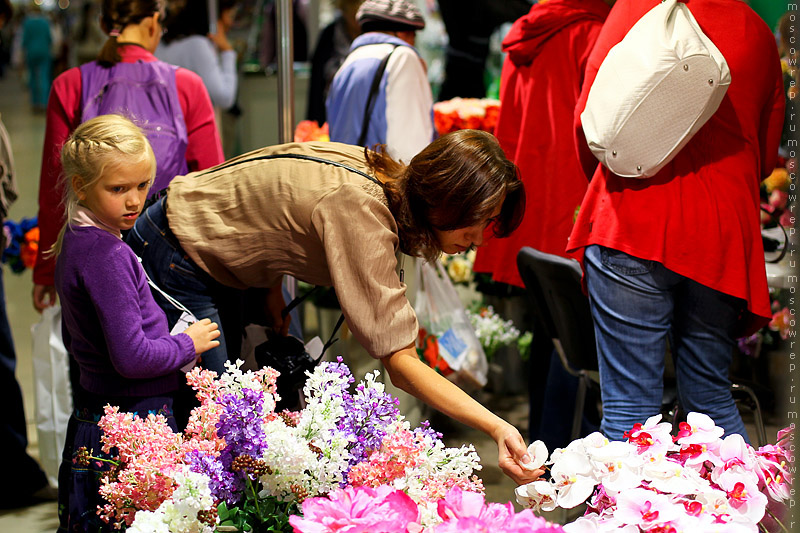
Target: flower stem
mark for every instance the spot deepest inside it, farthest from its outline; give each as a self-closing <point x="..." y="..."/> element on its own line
<point x="255" y="494"/>
<point x="101" y="459"/>
<point x="783" y="528"/>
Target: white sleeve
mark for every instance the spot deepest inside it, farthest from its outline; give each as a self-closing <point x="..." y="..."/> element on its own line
<point x="218" y="73"/>
<point x="409" y="106"/>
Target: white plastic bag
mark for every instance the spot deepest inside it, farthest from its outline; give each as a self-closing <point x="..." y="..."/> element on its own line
<point x="53" y="395"/>
<point x="440" y="311"/>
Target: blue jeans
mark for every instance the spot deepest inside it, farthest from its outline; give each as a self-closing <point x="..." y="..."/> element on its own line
<point x="639" y="305"/>
<point x="176" y="274"/>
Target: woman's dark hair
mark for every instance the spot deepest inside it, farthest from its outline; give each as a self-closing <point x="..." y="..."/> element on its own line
<point x="190" y="17"/>
<point x="186" y="18"/>
<point x="456" y="181"/>
<point x="115" y="15"/>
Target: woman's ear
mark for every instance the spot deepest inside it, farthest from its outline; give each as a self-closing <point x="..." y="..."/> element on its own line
<point x="151" y="24"/>
<point x="78" y="187"/>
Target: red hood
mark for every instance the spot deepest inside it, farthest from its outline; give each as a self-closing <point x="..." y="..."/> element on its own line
<point x="543" y="21"/>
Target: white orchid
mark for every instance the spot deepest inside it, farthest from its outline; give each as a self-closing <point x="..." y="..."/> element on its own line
<point x="539" y="496"/>
<point x="572" y="476"/>
<point x="537" y="451"/>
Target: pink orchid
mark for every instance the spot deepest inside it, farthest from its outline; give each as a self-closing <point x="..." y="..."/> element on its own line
<point x="357" y="510"/>
<point x="743" y="494"/>
<point x="699" y="429"/>
<point x="734" y="452"/>
<point x="772" y="471"/>
<point x="651" y="438"/>
<point x="645" y="508"/>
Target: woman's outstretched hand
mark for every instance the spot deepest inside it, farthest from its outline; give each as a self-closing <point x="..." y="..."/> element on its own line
<point x="513" y="455"/>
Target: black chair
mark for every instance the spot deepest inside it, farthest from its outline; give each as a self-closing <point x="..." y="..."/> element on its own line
<point x="553" y="284"/>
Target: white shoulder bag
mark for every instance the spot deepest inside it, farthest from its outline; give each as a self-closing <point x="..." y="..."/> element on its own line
<point x="654" y="90"/>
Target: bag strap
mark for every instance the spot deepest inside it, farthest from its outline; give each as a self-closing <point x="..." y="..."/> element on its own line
<point x="295" y="156"/>
<point x="782" y="253"/>
<point x="175" y="303"/>
<point x="297" y="301"/>
<point x="373" y="94"/>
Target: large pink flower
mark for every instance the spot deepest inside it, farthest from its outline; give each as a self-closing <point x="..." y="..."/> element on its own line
<point x="460" y="503"/>
<point x="463" y="511"/>
<point x="358" y="510"/>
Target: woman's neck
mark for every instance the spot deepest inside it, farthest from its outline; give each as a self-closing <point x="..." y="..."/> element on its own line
<point x="140" y="34"/>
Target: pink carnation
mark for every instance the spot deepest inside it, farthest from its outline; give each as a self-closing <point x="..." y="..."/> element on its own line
<point x="358" y="510"/>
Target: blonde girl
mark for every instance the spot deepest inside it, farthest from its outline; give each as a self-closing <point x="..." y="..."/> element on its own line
<point x="113" y="329"/>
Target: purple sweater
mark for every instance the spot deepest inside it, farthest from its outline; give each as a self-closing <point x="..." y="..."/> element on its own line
<point x="112" y="325"/>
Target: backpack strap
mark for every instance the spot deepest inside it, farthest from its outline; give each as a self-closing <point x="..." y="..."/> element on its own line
<point x="373" y="94"/>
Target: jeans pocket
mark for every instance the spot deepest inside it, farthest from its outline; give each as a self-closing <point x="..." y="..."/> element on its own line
<point x="184" y="267"/>
<point x="625" y="264"/>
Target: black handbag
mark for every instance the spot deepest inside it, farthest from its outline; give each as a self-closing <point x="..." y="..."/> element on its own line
<point x="288" y="355"/>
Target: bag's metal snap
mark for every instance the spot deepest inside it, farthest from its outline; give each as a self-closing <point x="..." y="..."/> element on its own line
<point x="639" y="167"/>
<point x="685" y="67"/>
<point x="614" y="153"/>
<point x="711" y="82"/>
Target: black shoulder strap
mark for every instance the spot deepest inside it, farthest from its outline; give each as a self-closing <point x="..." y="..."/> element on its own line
<point x="294" y="156"/>
<point x="373" y="94"/>
<point x="297" y="301"/>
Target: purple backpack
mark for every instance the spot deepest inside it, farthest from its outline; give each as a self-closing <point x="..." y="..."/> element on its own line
<point x="146" y="93"/>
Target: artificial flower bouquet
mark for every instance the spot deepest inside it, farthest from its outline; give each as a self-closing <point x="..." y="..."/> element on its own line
<point x="310" y="130"/>
<point x="492" y="330"/>
<point x="21" y="243"/>
<point x="240" y="466"/>
<point x="466" y="113"/>
<point x="654" y="482"/>
<point x="459" y="266"/>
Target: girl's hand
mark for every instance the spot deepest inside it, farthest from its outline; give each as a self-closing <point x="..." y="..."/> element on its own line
<point x="44" y="296"/>
<point x="203" y="332"/>
<point x="513" y="454"/>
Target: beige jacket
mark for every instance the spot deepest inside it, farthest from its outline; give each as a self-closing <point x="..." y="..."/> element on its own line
<point x="248" y="222"/>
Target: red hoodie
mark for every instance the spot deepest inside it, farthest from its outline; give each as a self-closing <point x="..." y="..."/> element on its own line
<point x="541" y="81"/>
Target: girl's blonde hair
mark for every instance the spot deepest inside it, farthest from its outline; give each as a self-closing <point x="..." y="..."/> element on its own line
<point x="105" y="140"/>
